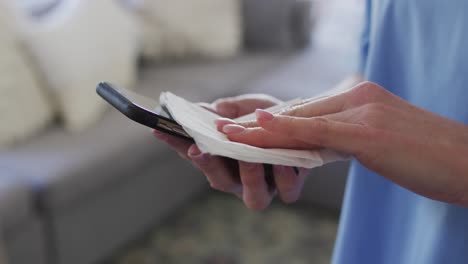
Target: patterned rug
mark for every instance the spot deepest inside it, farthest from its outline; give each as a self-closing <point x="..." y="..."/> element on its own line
<point x="218" y="229"/>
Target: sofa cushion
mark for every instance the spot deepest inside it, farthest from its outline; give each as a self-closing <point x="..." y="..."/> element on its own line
<point x="277" y="24"/>
<point x="65" y="167"/>
<point x="15" y="199"/>
<point x="27" y="243"/>
<point x="304" y="74"/>
<point x="208" y="80"/>
<point x="75" y="46"/>
<point x="25" y="106"/>
<point x="190" y="28"/>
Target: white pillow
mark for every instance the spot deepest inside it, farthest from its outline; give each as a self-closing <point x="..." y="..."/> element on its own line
<point x="24" y="109"/>
<point x="182" y="28"/>
<point x="80" y="44"/>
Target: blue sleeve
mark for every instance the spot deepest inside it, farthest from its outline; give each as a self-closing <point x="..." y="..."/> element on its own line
<point x="365" y="38"/>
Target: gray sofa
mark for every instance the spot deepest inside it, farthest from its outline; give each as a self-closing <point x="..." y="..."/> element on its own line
<point x="22" y="227"/>
<point x="75" y="199"/>
<point x="85" y="195"/>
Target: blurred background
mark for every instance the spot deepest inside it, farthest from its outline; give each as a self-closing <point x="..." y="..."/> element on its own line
<point x="81" y="184"/>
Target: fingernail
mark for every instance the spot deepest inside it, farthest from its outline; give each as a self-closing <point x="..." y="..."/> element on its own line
<point x="197" y="156"/>
<point x="194" y="150"/>
<point x="264" y="115"/>
<point x="233" y="129"/>
<point x="160" y="135"/>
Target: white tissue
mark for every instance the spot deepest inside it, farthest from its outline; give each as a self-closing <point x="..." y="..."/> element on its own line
<point x="199" y="123"/>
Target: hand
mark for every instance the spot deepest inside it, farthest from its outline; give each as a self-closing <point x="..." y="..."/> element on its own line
<point x="417" y="149"/>
<point x="245" y="180"/>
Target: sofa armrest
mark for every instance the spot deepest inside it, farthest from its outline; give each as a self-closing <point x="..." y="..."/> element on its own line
<point x="278" y="25"/>
<point x="3" y="257"/>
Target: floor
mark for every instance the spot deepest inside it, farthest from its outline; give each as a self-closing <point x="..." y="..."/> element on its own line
<point x="218" y="229"/>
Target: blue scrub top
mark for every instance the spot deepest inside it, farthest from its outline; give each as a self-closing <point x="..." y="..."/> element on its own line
<point x="417" y="49"/>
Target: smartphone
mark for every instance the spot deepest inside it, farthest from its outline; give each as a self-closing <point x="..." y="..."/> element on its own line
<point x="141" y="109"/>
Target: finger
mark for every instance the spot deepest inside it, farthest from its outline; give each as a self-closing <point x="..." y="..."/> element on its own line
<point x="241" y="105"/>
<point x="262" y="138"/>
<point x="317" y="107"/>
<point x="336" y="101"/>
<point x="221" y="122"/>
<point x="320" y="131"/>
<point x="288" y="183"/>
<point x="249" y="124"/>
<point x="312" y="107"/>
<point x="255" y="189"/>
<point x="221" y="174"/>
<point x="179" y="145"/>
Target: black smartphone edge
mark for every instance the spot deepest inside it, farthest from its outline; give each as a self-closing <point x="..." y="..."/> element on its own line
<point x="134" y="112"/>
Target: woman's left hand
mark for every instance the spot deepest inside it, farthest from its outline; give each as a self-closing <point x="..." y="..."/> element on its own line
<point x="412" y="147"/>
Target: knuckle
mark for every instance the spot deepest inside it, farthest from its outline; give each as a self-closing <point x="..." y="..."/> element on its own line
<point x="369" y="87"/>
<point x="293" y="111"/>
<point x="322" y="123"/>
<point x="289" y="126"/>
<point x="368" y="91"/>
<point x="322" y="128"/>
<point x="374" y="113"/>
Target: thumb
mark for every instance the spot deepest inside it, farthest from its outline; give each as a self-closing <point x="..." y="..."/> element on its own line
<point x="320" y="131"/>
